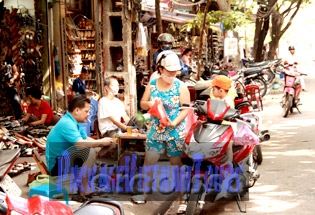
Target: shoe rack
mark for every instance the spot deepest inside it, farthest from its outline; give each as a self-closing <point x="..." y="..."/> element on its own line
<point x="216" y="45"/>
<point x="80" y="45"/>
<point x="117" y="50"/>
<point x="21" y="39"/>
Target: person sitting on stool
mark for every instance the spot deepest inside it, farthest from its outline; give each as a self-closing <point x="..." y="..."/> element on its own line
<point x="39" y="111"/>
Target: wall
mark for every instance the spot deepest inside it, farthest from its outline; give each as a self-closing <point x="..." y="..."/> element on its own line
<point x="21" y="4"/>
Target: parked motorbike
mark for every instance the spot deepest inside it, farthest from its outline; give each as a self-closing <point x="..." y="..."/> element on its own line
<point x="255" y="76"/>
<point x="270" y="69"/>
<point x="245" y="103"/>
<point x="42" y="205"/>
<point x="206" y="147"/>
<point x="292" y="89"/>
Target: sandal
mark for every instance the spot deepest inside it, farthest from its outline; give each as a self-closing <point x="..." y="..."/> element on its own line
<point x="138" y="199"/>
<point x="79" y="198"/>
<point x="182" y="208"/>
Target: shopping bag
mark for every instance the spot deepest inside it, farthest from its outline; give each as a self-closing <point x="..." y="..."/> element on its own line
<point x="244" y="136"/>
<point x="41" y="180"/>
<point x="190" y="120"/>
<point x="159" y="112"/>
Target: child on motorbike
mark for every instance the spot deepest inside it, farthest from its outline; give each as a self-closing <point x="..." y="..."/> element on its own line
<point x="221" y="85"/>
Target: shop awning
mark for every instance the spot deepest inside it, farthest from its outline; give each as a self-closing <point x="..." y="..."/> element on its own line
<point x="175" y="17"/>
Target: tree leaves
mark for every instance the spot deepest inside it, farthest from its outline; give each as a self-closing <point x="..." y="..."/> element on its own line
<point x="230" y="20"/>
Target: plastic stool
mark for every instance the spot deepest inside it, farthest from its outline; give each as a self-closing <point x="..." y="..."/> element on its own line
<point x="49" y="190"/>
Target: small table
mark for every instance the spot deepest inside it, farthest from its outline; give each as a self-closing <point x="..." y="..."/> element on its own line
<point x="135" y="141"/>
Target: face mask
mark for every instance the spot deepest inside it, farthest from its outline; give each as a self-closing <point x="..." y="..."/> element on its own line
<point x="114" y="90"/>
<point x="166" y="47"/>
<point x="167" y="79"/>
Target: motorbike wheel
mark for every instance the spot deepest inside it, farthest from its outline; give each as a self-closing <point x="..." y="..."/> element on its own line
<point x="262" y="85"/>
<point x="257" y="154"/>
<point x="269" y="77"/>
<point x="291" y="110"/>
<point x="240" y="88"/>
<point x="192" y="203"/>
<point x="287" y="105"/>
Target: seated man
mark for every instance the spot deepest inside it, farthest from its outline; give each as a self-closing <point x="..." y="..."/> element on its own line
<point x="39" y="111"/>
<point x="69" y="136"/>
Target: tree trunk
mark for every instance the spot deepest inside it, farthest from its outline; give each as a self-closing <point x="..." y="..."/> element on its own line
<point x="159" y="26"/>
<point x="201" y="38"/>
<point x="262" y="27"/>
<point x="277" y="21"/>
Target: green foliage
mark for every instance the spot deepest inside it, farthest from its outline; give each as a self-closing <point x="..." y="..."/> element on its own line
<point x="230" y="20"/>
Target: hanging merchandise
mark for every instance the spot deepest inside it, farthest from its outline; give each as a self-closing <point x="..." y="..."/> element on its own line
<point x="142" y="41"/>
<point x="21" y="46"/>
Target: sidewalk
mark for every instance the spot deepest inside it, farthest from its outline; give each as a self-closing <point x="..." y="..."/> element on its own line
<point x="156" y="204"/>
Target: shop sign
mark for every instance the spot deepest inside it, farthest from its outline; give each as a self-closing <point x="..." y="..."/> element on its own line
<point x="230" y="46"/>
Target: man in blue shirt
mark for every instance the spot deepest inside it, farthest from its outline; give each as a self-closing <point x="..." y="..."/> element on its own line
<point x="79" y="86"/>
<point x="68" y="138"/>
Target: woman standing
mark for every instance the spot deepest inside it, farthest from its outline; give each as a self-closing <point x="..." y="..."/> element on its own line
<point x="172" y="93"/>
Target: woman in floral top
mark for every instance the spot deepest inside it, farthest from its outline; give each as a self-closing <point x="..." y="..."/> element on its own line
<point x="172" y="93"/>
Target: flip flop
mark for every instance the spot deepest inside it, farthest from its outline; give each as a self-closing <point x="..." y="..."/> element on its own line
<point x="182" y="208"/>
<point x="79" y="198"/>
<point x="138" y="199"/>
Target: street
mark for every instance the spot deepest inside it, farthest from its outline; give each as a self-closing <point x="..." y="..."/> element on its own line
<point x="287" y="173"/>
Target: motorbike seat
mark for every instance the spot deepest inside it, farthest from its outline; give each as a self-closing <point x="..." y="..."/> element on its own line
<point x="264" y="63"/>
<point x="251" y="71"/>
<point x="258" y="64"/>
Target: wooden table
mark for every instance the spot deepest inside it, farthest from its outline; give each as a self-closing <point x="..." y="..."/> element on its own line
<point x="133" y="143"/>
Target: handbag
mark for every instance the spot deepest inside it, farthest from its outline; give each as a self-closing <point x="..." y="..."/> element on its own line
<point x="31" y="177"/>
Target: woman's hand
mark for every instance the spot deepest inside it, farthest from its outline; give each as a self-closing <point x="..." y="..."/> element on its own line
<point x="151" y="103"/>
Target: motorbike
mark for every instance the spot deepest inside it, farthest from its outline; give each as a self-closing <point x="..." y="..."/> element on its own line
<point x="255" y="76"/>
<point x="271" y="68"/>
<point x="245" y="103"/>
<point x="292" y="89"/>
<point x="42" y="205"/>
<point x="206" y="150"/>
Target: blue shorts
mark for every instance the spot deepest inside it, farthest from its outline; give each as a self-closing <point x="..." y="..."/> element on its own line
<point x="173" y="148"/>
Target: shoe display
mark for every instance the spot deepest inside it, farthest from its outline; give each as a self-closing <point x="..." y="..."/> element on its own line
<point x="80" y="35"/>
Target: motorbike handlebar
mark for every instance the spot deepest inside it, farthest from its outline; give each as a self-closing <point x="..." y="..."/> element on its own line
<point x="245" y="119"/>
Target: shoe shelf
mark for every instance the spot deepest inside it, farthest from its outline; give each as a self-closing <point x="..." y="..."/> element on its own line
<point x="81" y="49"/>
